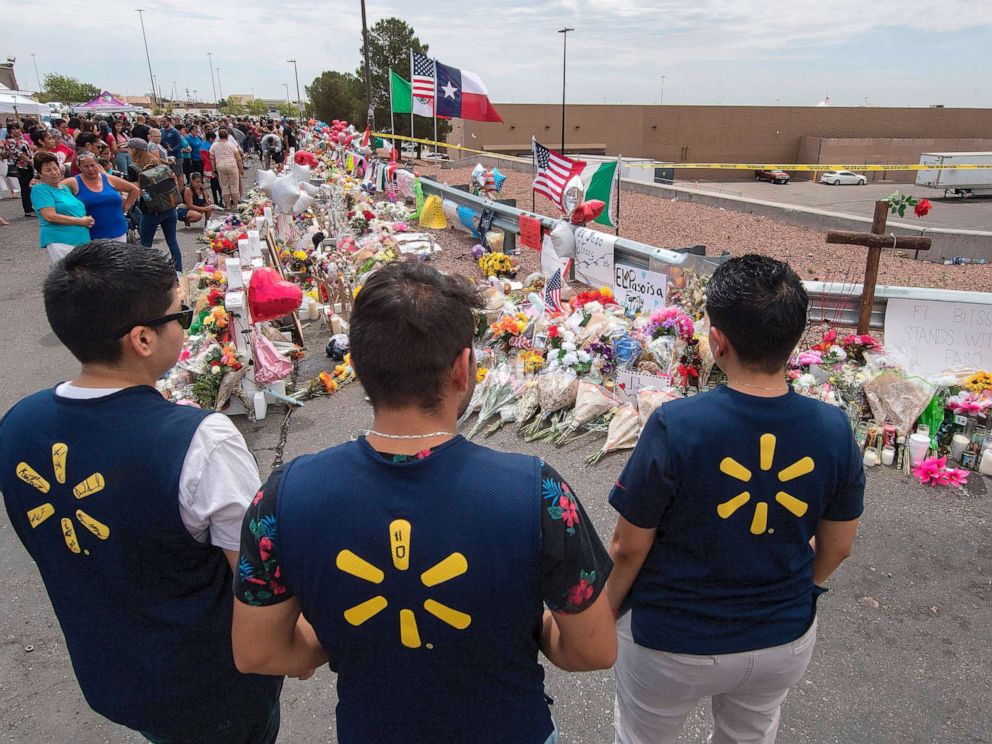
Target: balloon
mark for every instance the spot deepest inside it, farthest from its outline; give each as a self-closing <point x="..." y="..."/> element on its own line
<point x="270" y="296"/>
<point x="335" y="122"/>
<point x="498" y="179"/>
<point x="479" y="175"/>
<point x="563" y="239"/>
<point x="349" y="139"/>
<point x="341" y="138"/>
<point x="574" y="191"/>
<point x="587" y="211"/>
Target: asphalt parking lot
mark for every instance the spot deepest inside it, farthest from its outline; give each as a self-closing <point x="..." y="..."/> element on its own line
<point x="953" y="212"/>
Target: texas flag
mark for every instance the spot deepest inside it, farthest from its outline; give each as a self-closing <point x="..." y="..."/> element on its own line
<point x="462" y="94"/>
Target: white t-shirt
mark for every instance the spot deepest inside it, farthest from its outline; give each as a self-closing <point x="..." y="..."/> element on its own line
<point x="218" y="480"/>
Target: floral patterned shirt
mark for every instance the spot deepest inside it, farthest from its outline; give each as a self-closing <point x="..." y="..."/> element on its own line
<point x="574" y="563"/>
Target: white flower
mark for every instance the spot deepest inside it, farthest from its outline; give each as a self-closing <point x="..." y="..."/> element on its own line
<point x="592" y="307"/>
<point x="567" y="336"/>
<point x="838" y="352"/>
<point x="570" y="359"/>
<point x="215" y="370"/>
<point x="806" y="380"/>
<point x="584" y="356"/>
<point x="568" y="346"/>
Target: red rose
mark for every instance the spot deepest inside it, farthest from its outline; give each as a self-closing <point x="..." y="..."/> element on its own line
<point x="923" y="207"/>
<point x="553" y="332"/>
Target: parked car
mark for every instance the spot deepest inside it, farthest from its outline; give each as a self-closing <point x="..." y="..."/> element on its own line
<point x="842" y="178"/>
<point x="772" y="176"/>
<point x="435" y="156"/>
<point x="409" y="149"/>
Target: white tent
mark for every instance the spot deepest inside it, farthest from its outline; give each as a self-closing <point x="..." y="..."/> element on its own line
<point x="12" y="101"/>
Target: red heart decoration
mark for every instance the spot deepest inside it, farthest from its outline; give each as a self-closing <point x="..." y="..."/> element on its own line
<point x="270" y="296"/>
<point x="623" y="385"/>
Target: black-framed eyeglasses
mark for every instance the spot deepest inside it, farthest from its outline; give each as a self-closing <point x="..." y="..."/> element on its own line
<point x="184" y="316"/>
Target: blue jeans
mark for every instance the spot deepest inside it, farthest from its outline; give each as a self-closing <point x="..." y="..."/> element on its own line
<point x="256" y="726"/>
<point x="150" y="221"/>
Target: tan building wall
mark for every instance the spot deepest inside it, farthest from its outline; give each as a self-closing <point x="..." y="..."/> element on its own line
<point x="875" y="150"/>
<point x="722" y="134"/>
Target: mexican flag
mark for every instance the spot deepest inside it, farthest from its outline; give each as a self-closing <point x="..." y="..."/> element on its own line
<point x="400" y="94"/>
<point x="603" y="186"/>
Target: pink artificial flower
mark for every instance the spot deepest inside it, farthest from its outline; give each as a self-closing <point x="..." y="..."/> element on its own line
<point x="184" y="355"/>
<point x="665" y="313"/>
<point x="685" y="327"/>
<point x="957" y="477"/>
<point x="807" y="358"/>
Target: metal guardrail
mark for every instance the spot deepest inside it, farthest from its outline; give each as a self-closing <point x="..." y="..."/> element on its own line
<point x="831" y="302"/>
<point x="627" y="252"/>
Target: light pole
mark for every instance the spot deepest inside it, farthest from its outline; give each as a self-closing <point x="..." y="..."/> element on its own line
<point x="210" y="58"/>
<point x="220" y="88"/>
<point x="564" y="52"/>
<point x="661" y="101"/>
<point x="175" y="94"/>
<point x="286" y="86"/>
<point x="35" y="60"/>
<point x="369" y="123"/>
<point x="141" y="17"/>
<point x="299" y="103"/>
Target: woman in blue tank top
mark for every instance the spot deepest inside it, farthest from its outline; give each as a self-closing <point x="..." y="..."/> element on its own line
<point x="101" y="194"/>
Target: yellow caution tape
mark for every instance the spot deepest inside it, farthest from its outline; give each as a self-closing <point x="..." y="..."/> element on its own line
<point x="804" y="167"/>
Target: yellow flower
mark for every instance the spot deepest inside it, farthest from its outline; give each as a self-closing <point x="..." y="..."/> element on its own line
<point x="606" y="291"/>
<point x="355" y="291"/>
<point x="480" y="374"/>
<point x="300" y="255"/>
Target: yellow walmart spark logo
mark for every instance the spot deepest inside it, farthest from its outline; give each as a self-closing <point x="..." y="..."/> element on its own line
<point x="91" y="485"/>
<point x="759" y="522"/>
<point x="399" y="542"/>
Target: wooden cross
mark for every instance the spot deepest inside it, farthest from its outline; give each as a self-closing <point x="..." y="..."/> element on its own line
<point x="876" y="240"/>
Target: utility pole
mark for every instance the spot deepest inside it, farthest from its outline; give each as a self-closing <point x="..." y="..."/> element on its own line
<point x="220" y="88"/>
<point x="368" y="71"/>
<point x="210" y="58"/>
<point x="299" y="102"/>
<point x="564" y="53"/>
<point x="286" y="86"/>
<point x="35" y="60"/>
<point x="151" y="75"/>
<point x="661" y="101"/>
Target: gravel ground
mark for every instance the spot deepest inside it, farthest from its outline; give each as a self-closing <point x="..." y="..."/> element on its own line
<point x="670" y="224"/>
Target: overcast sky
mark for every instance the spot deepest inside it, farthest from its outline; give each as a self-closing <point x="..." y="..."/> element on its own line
<point x="760" y="52"/>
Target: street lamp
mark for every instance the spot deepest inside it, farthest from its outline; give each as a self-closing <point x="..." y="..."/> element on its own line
<point x="286" y="86"/>
<point x="35" y="60"/>
<point x="141" y="17"/>
<point x="210" y="58"/>
<point x="299" y="102"/>
<point x="564" y="51"/>
<point x="220" y="88"/>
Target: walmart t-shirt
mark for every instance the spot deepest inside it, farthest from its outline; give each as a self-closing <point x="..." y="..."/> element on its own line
<point x="735" y="485"/>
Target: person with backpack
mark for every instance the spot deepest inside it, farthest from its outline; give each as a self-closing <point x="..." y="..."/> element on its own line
<point x="271" y="146"/>
<point x="159" y="198"/>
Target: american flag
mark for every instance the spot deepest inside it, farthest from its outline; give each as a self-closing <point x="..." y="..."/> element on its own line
<point x="552" y="172"/>
<point x="423" y="77"/>
<point x="552" y="293"/>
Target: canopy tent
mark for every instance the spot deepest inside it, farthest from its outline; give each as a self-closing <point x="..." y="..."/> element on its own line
<point x="105" y="103"/>
<point x="11" y="100"/>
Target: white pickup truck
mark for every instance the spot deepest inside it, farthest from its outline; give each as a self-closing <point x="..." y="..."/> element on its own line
<point x="965" y="182"/>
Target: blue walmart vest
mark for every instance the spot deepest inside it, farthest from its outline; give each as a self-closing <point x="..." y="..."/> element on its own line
<point x="91" y="488"/>
<point x="422" y="581"/>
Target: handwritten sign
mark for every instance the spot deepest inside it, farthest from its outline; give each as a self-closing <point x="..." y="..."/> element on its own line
<point x="530" y="232"/>
<point x="631" y="382"/>
<point x="934" y="335"/>
<point x="639" y="288"/>
<point x="594" y="257"/>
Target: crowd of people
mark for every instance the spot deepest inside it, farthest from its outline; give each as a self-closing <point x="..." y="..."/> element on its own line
<point x="427" y="571"/>
<point x="100" y="176"/>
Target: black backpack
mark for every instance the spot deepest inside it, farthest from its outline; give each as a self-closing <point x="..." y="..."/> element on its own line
<point x="159" y="192"/>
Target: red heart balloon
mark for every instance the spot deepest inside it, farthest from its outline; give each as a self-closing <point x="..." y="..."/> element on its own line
<point x="587" y="211"/>
<point x="270" y="296"/>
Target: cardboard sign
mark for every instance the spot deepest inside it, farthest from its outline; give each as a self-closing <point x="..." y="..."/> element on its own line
<point x="530" y="232"/>
<point x="934" y="335"/>
<point x="594" y="257"/>
<point x="630" y="382"/>
<point x="639" y="288"/>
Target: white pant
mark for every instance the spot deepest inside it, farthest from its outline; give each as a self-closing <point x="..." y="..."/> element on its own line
<point x="8" y="182"/>
<point x="656" y="690"/>
<point x="58" y="251"/>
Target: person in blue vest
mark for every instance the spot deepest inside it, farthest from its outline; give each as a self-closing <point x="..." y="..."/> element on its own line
<point x="719" y="506"/>
<point x="131" y="507"/>
<point x="423" y="561"/>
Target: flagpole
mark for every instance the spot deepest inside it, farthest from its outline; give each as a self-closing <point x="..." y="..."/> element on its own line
<point x="392" y="125"/>
<point x="411" y="97"/>
<point x="434" y="106"/>
<point x="533" y="160"/>
<point x="619" y="169"/>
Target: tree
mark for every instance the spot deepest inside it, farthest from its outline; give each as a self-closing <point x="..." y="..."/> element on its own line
<point x="232" y="107"/>
<point x="337" y="95"/>
<point x="288" y="110"/>
<point x="257" y="107"/>
<point x="65" y="89"/>
<point x="390" y="42"/>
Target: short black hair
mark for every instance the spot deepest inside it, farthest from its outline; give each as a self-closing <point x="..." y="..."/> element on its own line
<point x="85" y="138"/>
<point x="41" y="159"/>
<point x="100" y="288"/>
<point x="37" y="135"/>
<point x="409" y="325"/>
<point x="760" y="304"/>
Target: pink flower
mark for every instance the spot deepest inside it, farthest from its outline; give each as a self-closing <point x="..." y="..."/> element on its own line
<point x="569" y="514"/>
<point x="580" y="593"/>
<point x="807" y="358"/>
<point x="665" y="313"/>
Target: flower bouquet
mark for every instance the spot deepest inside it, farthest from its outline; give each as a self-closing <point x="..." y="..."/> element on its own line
<point x="625" y="428"/>
<point x="592" y="403"/>
<point x="501" y="392"/>
<point x="498" y="264"/>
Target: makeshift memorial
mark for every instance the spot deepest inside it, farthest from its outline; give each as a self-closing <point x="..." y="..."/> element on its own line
<point x="625" y="427"/>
